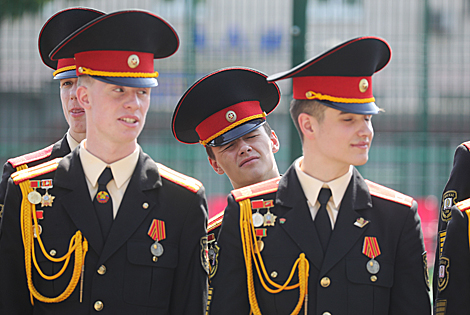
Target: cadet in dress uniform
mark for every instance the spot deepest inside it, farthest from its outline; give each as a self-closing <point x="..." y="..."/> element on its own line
<point x="57" y="28"/>
<point x="224" y="112"/>
<point x="106" y="229"/>
<point x="321" y="239"/>
<point x="453" y="274"/>
<point x="457" y="189"/>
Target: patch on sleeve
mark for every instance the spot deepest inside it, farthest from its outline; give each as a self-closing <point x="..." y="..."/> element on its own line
<point x="443" y="280"/>
<point x="189" y="183"/>
<point x="258" y="189"/>
<point x="426" y="272"/>
<point x="448" y="200"/>
<point x="204" y="254"/>
<point x="213" y="254"/>
<point x="440" y="307"/>
<point x="388" y="194"/>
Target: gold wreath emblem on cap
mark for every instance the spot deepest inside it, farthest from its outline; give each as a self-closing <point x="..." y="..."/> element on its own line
<point x="363" y="85"/>
<point x="133" y="61"/>
<point x="231" y="116"/>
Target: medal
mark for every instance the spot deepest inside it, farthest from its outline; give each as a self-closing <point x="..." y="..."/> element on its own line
<point x="372" y="250"/>
<point x="258" y="219"/>
<point x="269" y="219"/>
<point x="34" y="197"/>
<point x="373" y="266"/>
<point x="157" y="233"/>
<point x="260" y="233"/>
<point x="47" y="199"/>
<point x="39" y="228"/>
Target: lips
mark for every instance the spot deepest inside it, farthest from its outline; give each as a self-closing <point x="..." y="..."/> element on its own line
<point x="76" y="111"/>
<point x="129" y="120"/>
<point x="247" y="160"/>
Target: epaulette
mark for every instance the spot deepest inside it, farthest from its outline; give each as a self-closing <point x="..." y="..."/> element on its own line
<point x="388" y="194"/>
<point x="189" y="183"/>
<point x="215" y="221"/>
<point x="466" y="144"/>
<point x="257" y="189"/>
<point x="463" y="205"/>
<point x="35" y="171"/>
<point x="31" y="157"/>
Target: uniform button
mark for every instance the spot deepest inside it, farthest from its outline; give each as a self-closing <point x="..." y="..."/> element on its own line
<point x="274" y="274"/>
<point x="327" y="313"/>
<point x="325" y="282"/>
<point x="145" y="205"/>
<point x="373" y="278"/>
<point x="53" y="252"/>
<point x="98" y="306"/>
<point x="102" y="270"/>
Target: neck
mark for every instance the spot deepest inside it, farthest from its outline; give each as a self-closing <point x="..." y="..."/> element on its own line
<point x="77" y="136"/>
<point x="322" y="168"/>
<point x="108" y="152"/>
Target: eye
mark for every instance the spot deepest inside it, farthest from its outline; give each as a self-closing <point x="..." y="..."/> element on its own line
<point x="118" y="89"/>
<point x="368" y="118"/>
<point x="66" y="83"/>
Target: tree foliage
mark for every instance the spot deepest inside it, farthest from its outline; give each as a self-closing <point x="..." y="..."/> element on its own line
<point x="16" y="8"/>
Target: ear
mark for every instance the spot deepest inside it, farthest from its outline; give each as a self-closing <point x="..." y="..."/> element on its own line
<point x="83" y="97"/>
<point x="216" y="166"/>
<point x="275" y="141"/>
<point x="307" y="125"/>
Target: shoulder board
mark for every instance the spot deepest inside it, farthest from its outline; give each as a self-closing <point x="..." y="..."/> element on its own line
<point x="257" y="189"/>
<point x="215" y="221"/>
<point x="35" y="171"/>
<point x="31" y="157"/>
<point x="389" y="194"/>
<point x="463" y="205"/>
<point x="467" y="144"/>
<point x="189" y="183"/>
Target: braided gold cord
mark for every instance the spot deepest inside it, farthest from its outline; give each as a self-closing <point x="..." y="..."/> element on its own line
<point x="251" y="250"/>
<point x="78" y="245"/>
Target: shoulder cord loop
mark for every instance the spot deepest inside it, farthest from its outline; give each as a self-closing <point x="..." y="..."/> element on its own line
<point x="251" y="250"/>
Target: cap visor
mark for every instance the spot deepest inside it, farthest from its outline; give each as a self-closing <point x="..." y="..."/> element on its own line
<point x="66" y="75"/>
<point x="362" y="109"/>
<point x="130" y="82"/>
<point x="236" y="132"/>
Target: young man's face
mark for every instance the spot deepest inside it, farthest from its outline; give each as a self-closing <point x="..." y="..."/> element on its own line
<point x="115" y="113"/>
<point x="342" y="139"/>
<point x="248" y="159"/>
<point x="73" y="112"/>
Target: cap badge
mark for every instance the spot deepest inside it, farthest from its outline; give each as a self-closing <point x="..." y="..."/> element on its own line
<point x="133" y="61"/>
<point x="231" y="116"/>
<point x="363" y="85"/>
<point x="80" y="69"/>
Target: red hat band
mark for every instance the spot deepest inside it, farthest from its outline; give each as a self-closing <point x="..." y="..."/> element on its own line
<point x="63" y="65"/>
<point x="227" y="119"/>
<point x="115" y="64"/>
<point x="334" y="89"/>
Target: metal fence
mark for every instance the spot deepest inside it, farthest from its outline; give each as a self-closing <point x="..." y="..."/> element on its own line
<point x="424" y="90"/>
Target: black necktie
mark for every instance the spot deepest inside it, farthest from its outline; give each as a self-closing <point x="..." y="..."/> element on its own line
<point x="322" y="219"/>
<point x="103" y="203"/>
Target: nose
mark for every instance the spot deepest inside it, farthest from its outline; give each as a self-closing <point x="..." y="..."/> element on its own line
<point x="244" y="148"/>
<point x="133" y="102"/>
<point x="366" y="129"/>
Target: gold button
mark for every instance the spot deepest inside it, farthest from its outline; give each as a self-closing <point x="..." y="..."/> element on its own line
<point x="155" y="258"/>
<point x="274" y="274"/>
<point x="309" y="95"/>
<point x="373" y="278"/>
<point x="327" y="313"/>
<point x="102" y="270"/>
<point x="325" y="282"/>
<point x="363" y="85"/>
<point x="145" y="205"/>
<point x="80" y="69"/>
<point x="53" y="252"/>
<point x="133" y="61"/>
<point x="98" y="306"/>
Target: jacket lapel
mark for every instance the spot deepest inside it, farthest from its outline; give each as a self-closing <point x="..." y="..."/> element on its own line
<point x="299" y="224"/>
<point x="345" y="233"/>
<point x="131" y="211"/>
<point x="77" y="202"/>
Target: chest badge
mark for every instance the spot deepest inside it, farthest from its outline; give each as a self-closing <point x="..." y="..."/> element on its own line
<point x="157" y="233"/>
<point x="371" y="249"/>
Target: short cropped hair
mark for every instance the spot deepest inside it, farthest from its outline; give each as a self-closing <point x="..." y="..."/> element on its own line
<point x="266" y="127"/>
<point x="310" y="107"/>
<point x="85" y="80"/>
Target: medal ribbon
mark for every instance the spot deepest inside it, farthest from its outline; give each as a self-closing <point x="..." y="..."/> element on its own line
<point x="261" y="232"/>
<point x="268" y="203"/>
<point x="371" y="247"/>
<point x="34" y="183"/>
<point x="157" y="230"/>
<point x="46" y="183"/>
<point x="257" y="204"/>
